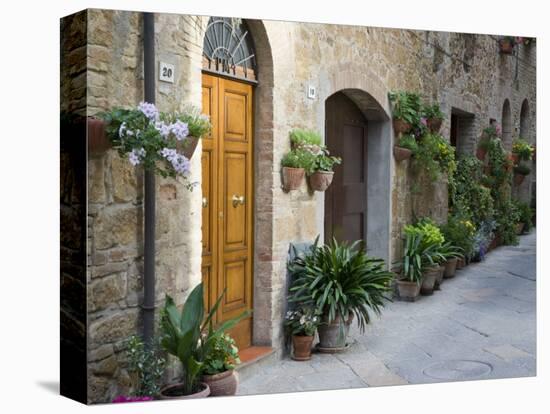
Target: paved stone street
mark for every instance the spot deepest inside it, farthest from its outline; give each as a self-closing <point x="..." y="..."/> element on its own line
<point x="481" y="325"/>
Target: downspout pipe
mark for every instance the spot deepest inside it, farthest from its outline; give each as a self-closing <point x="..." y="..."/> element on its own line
<point x="148" y="304"/>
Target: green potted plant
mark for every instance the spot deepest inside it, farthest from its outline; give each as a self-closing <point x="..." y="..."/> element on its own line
<point x="410" y="275"/>
<point x="341" y="281"/>
<point x="435" y="156"/>
<point x="520" y="171"/>
<point x="406" y="147"/>
<point x="218" y="370"/>
<point x="525" y="214"/>
<point x="434" y="117"/>
<point x="406" y="108"/>
<point x="321" y="172"/>
<point x="190" y="336"/>
<point x="522" y="150"/>
<point x="305" y="139"/>
<point x="506" y="44"/>
<point x="489" y="133"/>
<point x="301" y="325"/>
<point x="451" y="254"/>
<point x="431" y="257"/>
<point x="295" y="163"/>
<point x="459" y="233"/>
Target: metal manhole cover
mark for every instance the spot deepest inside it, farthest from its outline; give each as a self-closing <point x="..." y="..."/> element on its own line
<point x="457" y="370"/>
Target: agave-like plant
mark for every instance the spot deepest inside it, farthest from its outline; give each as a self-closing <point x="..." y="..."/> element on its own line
<point x="339" y="278"/>
<point x="189" y="336"/>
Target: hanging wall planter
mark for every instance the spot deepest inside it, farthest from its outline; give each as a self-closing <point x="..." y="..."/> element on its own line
<point x="320" y="180"/>
<point x="98" y="141"/>
<point x="188" y="146"/>
<point x="401" y="154"/>
<point x="434" y="124"/>
<point x="292" y="178"/>
<point x="400" y="126"/>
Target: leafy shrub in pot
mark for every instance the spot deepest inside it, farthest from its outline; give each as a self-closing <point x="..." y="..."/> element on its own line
<point x="434" y="117"/>
<point x="191" y="337"/>
<point x="405" y="148"/>
<point x="321" y="170"/>
<point x="301" y="325"/>
<point x="295" y="163"/>
<point x="219" y="365"/>
<point x="406" y="111"/>
<point x="340" y="280"/>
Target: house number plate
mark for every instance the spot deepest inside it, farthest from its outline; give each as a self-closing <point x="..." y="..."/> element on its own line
<point x="166" y="72"/>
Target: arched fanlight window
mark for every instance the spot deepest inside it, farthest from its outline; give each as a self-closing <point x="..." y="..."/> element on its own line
<point x="228" y="48"/>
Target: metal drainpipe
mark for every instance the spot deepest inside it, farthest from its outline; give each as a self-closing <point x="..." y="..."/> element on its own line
<point x="148" y="304"/>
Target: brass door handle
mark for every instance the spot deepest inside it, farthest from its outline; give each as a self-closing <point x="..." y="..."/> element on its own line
<point x="237" y="200"/>
<point x="204" y="202"/>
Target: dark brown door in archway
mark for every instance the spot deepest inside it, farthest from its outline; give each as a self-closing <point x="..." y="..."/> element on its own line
<point x="346" y="198"/>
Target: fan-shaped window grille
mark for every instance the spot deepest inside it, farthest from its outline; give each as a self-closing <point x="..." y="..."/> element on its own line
<point x="228" y="48"/>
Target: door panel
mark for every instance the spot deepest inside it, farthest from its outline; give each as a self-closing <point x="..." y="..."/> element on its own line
<point x="346" y="198"/>
<point x="227" y="174"/>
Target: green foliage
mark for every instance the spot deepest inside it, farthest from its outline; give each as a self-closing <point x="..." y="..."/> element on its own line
<point x="435" y="156"/>
<point x="302" y="321"/>
<point x="298" y="158"/>
<point x="408" y="141"/>
<point x="339" y="279"/>
<point x="492" y="131"/>
<point x="523" y="149"/>
<point x="469" y="199"/>
<point x="323" y="162"/>
<point x="522" y="169"/>
<point x="406" y="106"/>
<point x="430" y="232"/>
<point x="525" y="214"/>
<point x="412" y="264"/>
<point x="506" y="220"/>
<point x="199" y="124"/>
<point x="184" y="334"/>
<point x="460" y="232"/>
<point x="432" y="112"/>
<point x="304" y="137"/>
<point x="222" y="357"/>
<point x="146" y="364"/>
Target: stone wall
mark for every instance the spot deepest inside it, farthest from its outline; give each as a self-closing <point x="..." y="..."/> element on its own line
<point x="462" y="72"/>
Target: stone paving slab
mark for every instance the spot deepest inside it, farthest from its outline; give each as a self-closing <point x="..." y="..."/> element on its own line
<point x="481" y="325"/>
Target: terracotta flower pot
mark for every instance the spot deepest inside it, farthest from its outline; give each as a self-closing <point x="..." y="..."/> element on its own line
<point x="401" y="154"/>
<point x="173" y="392"/>
<point x="480" y="153"/>
<point x="461" y="263"/>
<point x="292" y="178"/>
<point x="98" y="141"/>
<point x="450" y="268"/>
<point x="302" y="347"/>
<point x="408" y="291"/>
<point x="400" y="126"/>
<point x="506" y="46"/>
<point x="518" y="179"/>
<point x="320" y="180"/>
<point x="515" y="158"/>
<point x="439" y="278"/>
<point x="224" y="383"/>
<point x="428" y="280"/>
<point x="434" y="124"/>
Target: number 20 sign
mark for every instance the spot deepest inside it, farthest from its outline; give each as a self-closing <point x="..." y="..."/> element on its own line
<point x="166" y="72"/>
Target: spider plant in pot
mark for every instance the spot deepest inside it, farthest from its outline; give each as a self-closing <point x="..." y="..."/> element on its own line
<point x="301" y="324"/>
<point x="410" y="278"/>
<point x="191" y="337"/>
<point x="341" y="281"/>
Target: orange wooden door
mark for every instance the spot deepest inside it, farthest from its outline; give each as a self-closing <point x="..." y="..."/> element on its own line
<point x="227" y="176"/>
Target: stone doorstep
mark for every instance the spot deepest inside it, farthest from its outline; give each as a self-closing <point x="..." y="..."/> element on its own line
<point x="253" y="359"/>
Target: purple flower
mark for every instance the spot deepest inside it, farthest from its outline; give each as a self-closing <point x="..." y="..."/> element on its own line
<point x="149" y="110"/>
<point x="179" y="129"/>
<point x="136" y="155"/>
<point x="125" y="399"/>
<point x="179" y="162"/>
<point x="163" y="129"/>
<point x="424" y="121"/>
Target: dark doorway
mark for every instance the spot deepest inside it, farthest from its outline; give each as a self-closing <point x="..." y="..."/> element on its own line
<point x="346" y="198"/>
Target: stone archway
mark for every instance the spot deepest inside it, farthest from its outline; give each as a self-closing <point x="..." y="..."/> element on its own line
<point x="375" y="111"/>
<point x="506" y="123"/>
